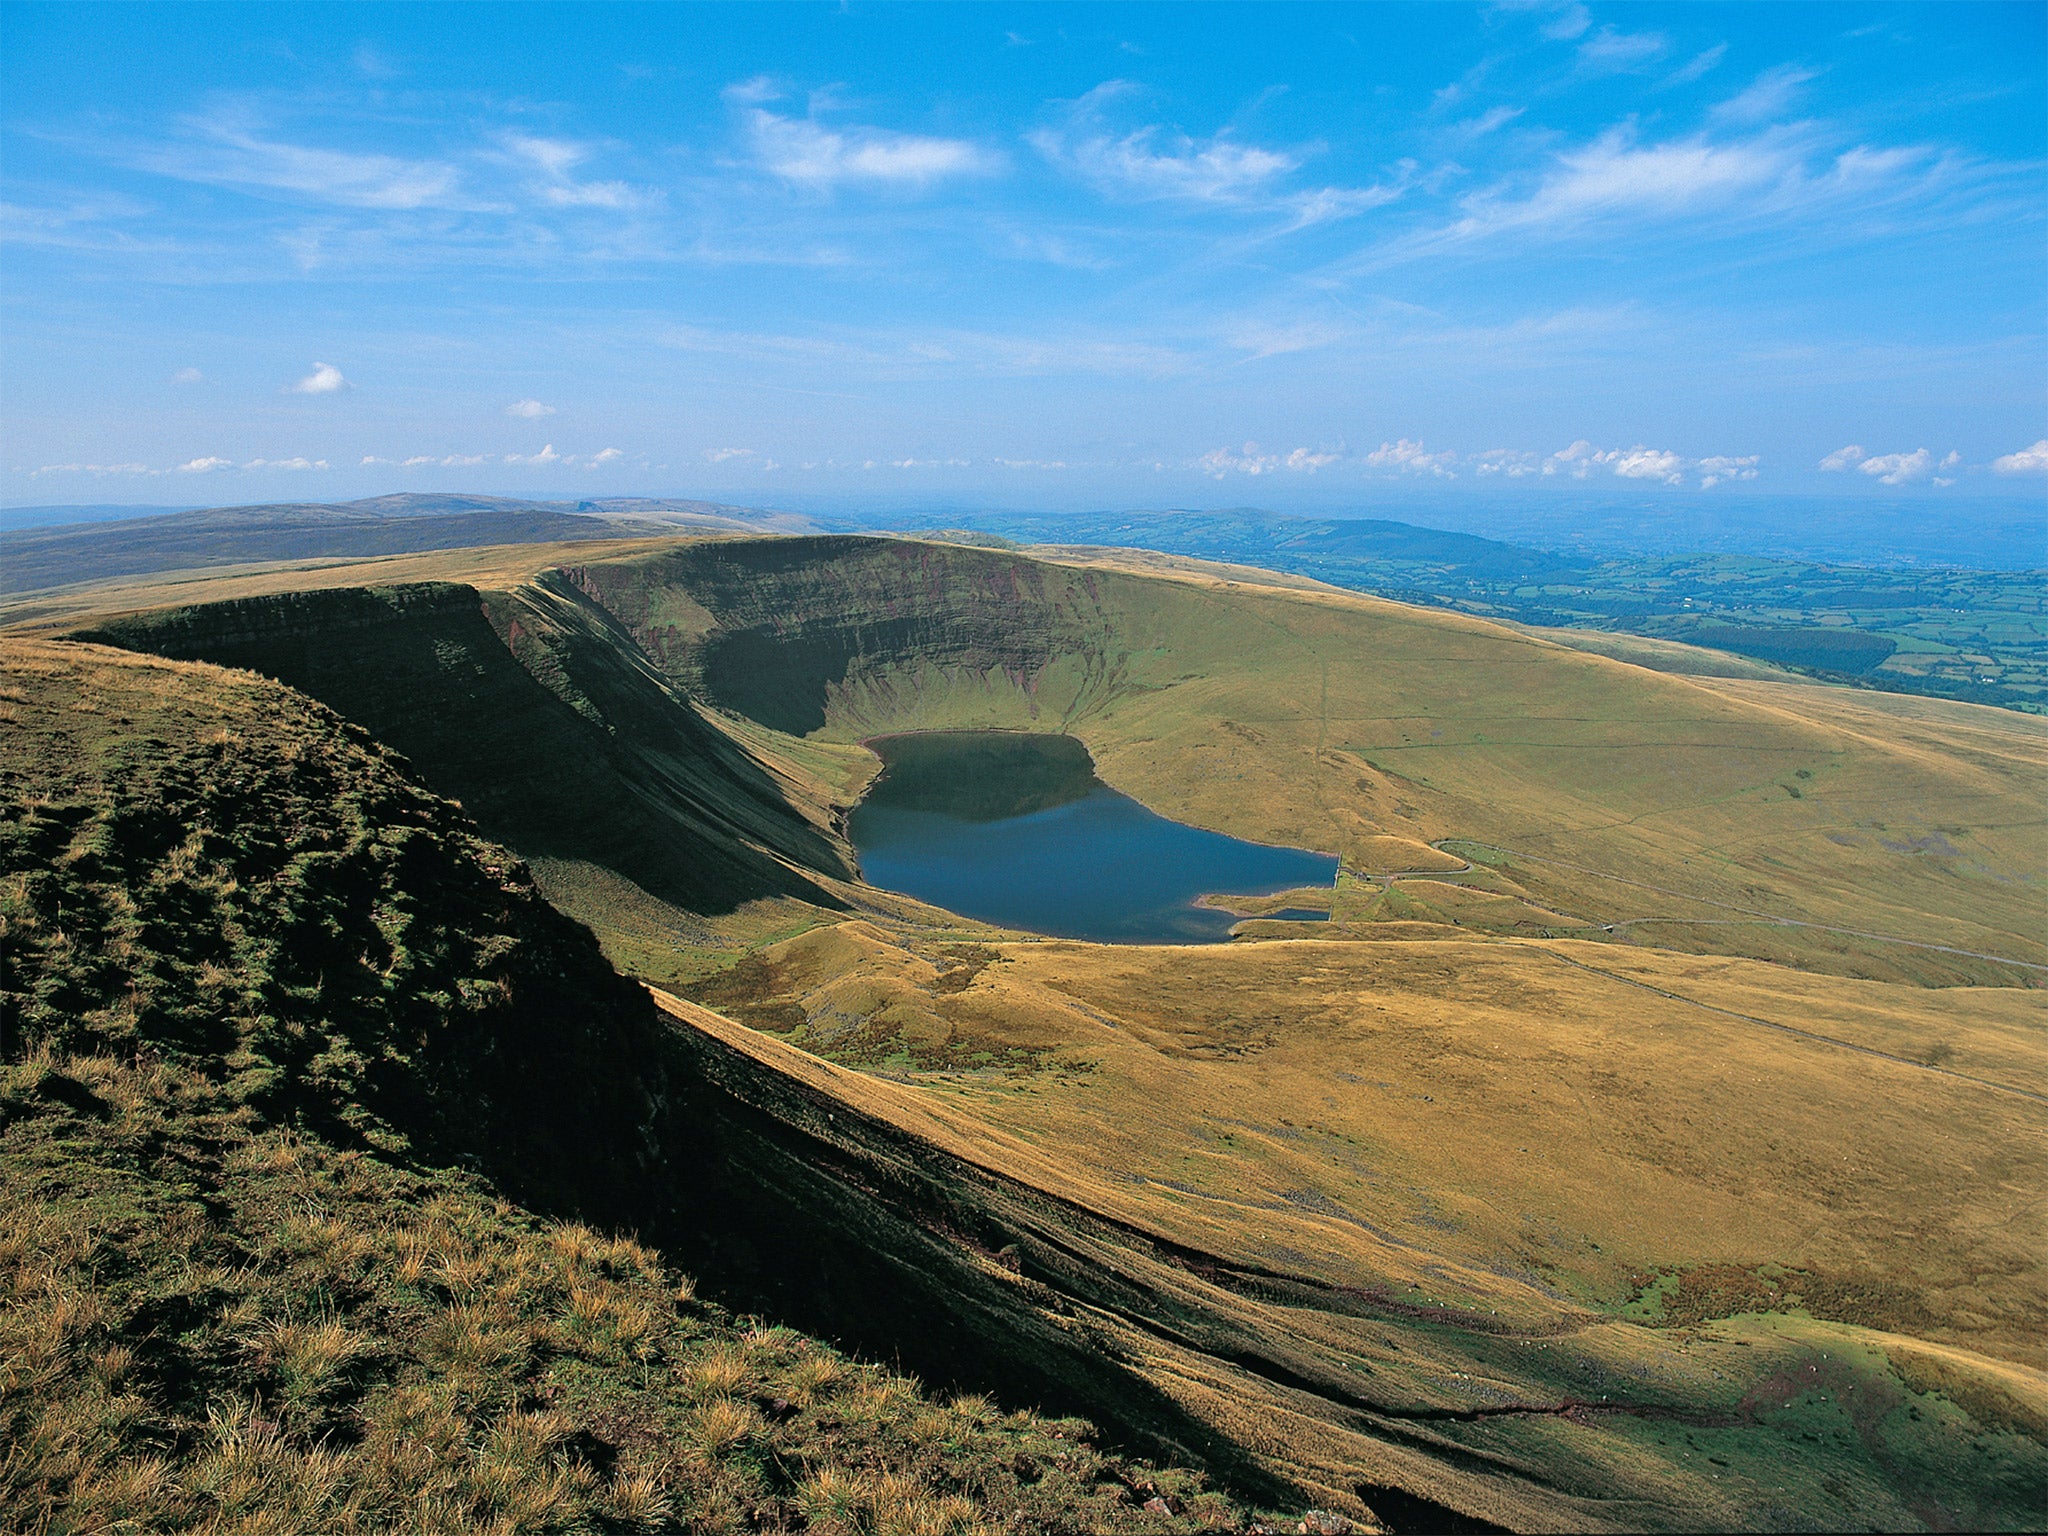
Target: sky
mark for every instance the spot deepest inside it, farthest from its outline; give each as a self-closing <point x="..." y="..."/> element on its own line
<point x="1024" y="256"/>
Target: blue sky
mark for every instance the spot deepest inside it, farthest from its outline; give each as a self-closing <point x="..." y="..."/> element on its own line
<point x="1024" y="256"/>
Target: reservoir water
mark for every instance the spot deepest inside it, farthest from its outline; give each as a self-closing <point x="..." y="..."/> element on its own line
<point x="1015" y="829"/>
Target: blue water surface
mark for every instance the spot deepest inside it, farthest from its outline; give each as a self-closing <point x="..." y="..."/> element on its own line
<point x="1099" y="866"/>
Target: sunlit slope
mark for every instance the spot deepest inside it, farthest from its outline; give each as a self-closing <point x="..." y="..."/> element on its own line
<point x="1531" y="1225"/>
<point x="1461" y="1218"/>
<point x="302" y="1085"/>
<point x="1334" y="722"/>
<point x="1560" y="1116"/>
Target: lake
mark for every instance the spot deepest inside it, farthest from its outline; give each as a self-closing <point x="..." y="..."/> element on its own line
<point x="1015" y="829"/>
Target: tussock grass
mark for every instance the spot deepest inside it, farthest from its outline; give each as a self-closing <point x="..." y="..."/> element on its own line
<point x="238" y="1295"/>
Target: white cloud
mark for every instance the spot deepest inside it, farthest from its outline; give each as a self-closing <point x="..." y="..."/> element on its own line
<point x="1765" y="97"/>
<point x="1713" y="470"/>
<point x="1783" y="173"/>
<point x="2028" y="461"/>
<point x="1844" y="458"/>
<point x="547" y="455"/>
<point x="805" y="151"/>
<point x="1610" y="52"/>
<point x="1487" y="121"/>
<point x="92" y="469"/>
<point x="188" y="376"/>
<point x="1411" y="458"/>
<point x="1698" y="65"/>
<point x="227" y="151"/>
<point x="1218" y="462"/>
<point x="553" y="159"/>
<point x="529" y="410"/>
<point x="1582" y="460"/>
<point x="1640" y="463"/>
<point x="1032" y="463"/>
<point x="1899" y="468"/>
<point x="325" y="379"/>
<point x="205" y="466"/>
<point x="300" y="463"/>
<point x="1156" y="163"/>
<point x="1512" y="462"/>
<point x="720" y="455"/>
<point x="607" y="455"/>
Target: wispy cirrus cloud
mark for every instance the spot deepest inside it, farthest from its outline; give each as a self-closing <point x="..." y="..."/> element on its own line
<point x="811" y="153"/>
<point x="1618" y="183"/>
<point x="232" y="149"/>
<point x="1766" y="97"/>
<point x="1153" y="163"/>
<point x="550" y="164"/>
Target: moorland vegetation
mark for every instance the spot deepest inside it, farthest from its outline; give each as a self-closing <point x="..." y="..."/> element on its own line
<point x="1650" y="1140"/>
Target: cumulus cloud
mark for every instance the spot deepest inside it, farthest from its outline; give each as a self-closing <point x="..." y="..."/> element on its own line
<point x="1411" y="458"/>
<point x="2028" y="461"/>
<point x="205" y="466"/>
<point x="188" y="376"/>
<point x="1218" y="462"/>
<point x="547" y="455"/>
<point x="1844" y="458"/>
<point x="1640" y="463"/>
<point x="806" y="151"/>
<point x="444" y="461"/>
<point x="1512" y="462"/>
<point x="298" y="463"/>
<point x="720" y="455"/>
<point x="607" y="455"/>
<point x="529" y="410"/>
<point x="1581" y="460"/>
<point x="1899" y="468"/>
<point x="1719" y="467"/>
<point x="92" y="469"/>
<point x="325" y="379"/>
<point x="1032" y="463"/>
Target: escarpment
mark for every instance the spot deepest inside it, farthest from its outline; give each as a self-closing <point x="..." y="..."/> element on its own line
<point x="534" y="711"/>
<point x="782" y="630"/>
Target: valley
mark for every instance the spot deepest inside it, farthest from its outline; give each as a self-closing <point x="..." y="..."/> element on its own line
<point x="1651" y="1138"/>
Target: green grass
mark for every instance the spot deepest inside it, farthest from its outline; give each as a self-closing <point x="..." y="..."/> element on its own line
<point x="283" y="1036"/>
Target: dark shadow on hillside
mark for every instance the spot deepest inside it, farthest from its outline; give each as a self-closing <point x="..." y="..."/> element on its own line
<point x="796" y="618"/>
<point x="578" y="755"/>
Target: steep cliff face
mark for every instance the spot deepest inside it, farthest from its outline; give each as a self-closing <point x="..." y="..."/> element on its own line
<point x="292" y="1064"/>
<point x="789" y="631"/>
<point x="540" y="715"/>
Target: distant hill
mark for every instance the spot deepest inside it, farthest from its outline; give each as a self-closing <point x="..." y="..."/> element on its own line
<point x="35" y="558"/>
<point x="1928" y="629"/>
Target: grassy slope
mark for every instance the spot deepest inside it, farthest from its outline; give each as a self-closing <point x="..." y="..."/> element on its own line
<point x="1329" y="721"/>
<point x="281" y="1037"/>
<point x="1622" y="798"/>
